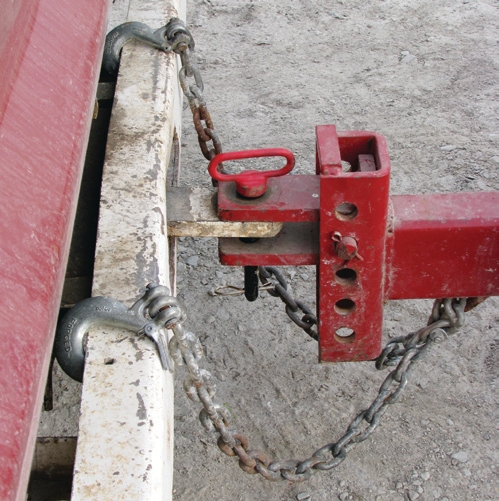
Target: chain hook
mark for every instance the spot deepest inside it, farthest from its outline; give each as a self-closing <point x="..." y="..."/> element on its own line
<point x="149" y="315"/>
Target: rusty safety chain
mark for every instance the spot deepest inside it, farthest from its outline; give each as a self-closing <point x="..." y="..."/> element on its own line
<point x="182" y="44"/>
<point x="308" y="321"/>
<point x="446" y="318"/>
<point x="278" y="288"/>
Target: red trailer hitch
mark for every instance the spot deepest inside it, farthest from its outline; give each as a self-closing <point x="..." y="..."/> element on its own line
<point x="368" y="247"/>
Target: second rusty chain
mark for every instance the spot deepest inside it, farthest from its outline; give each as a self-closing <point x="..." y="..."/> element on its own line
<point x="279" y="289"/>
<point x="182" y="44"/>
<point x="446" y="318"/>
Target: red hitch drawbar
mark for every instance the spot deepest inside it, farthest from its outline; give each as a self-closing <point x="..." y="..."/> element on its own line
<point x="368" y="247"/>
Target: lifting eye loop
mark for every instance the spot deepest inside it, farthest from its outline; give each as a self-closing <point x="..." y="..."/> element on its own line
<point x="251" y="183"/>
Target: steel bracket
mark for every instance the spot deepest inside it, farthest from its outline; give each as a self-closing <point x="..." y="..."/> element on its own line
<point x="368" y="247"/>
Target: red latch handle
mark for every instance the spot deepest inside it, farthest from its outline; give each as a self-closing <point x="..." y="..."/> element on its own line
<point x="251" y="183"/>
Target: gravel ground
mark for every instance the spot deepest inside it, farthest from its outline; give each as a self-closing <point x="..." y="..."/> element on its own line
<point x="424" y="75"/>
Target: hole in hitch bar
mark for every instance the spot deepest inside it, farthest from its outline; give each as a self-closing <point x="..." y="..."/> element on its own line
<point x="346" y="211"/>
<point x="345" y="335"/>
<point x="344" y="306"/>
<point x="345" y="276"/>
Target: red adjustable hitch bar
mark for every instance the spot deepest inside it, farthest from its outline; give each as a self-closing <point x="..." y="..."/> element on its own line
<point x="368" y="247"/>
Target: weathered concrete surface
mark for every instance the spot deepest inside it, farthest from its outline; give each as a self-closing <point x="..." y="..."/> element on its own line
<point x="125" y="443"/>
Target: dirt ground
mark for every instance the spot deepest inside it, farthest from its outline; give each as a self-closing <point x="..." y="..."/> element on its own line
<point x="424" y="75"/>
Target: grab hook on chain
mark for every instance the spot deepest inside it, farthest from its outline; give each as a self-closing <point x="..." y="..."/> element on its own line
<point x="149" y="315"/>
<point x="174" y="36"/>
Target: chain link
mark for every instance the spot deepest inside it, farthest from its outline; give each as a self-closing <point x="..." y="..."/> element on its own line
<point x="294" y="307"/>
<point x="192" y="86"/>
<point x="446" y="318"/>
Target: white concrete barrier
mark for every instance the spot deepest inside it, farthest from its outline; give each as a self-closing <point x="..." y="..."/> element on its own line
<point x="125" y="442"/>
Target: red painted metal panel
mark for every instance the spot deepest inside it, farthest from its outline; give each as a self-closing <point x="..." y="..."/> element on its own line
<point x="287" y="199"/>
<point x="50" y="53"/>
<point x="16" y="26"/>
<point x="443" y="246"/>
<point x="327" y="153"/>
<point x="353" y="204"/>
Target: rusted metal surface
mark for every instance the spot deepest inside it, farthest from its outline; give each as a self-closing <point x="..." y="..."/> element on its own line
<point x="192" y="213"/>
<point x="50" y="57"/>
<point x="368" y="248"/>
<point x="125" y="443"/>
<point x="192" y="86"/>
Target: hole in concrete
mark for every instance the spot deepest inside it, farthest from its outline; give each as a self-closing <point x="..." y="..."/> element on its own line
<point x="109" y="361"/>
<point x="346" y="211"/>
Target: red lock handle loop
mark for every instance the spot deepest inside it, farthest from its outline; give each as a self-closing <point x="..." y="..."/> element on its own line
<point x="251" y="183"/>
